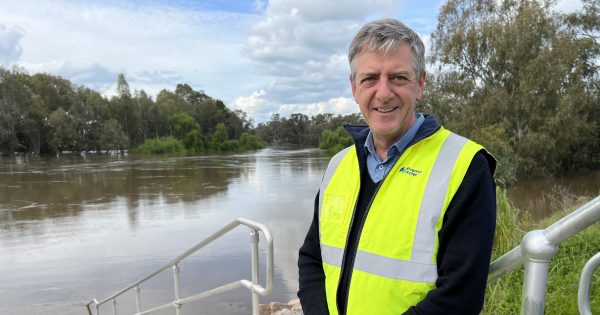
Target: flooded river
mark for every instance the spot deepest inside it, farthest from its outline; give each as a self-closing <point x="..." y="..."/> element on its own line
<point x="77" y="228"/>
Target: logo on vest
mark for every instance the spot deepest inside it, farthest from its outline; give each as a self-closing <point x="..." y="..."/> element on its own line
<point x="409" y="171"/>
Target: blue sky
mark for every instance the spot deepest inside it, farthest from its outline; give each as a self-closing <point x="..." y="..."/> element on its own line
<point x="263" y="57"/>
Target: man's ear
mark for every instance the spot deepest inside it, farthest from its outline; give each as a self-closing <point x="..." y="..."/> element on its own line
<point x="421" y="85"/>
<point x="353" y="85"/>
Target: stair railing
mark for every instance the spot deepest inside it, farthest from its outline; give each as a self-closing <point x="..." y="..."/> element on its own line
<point x="254" y="286"/>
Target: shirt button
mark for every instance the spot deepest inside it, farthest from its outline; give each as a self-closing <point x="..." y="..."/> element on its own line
<point x="380" y="167"/>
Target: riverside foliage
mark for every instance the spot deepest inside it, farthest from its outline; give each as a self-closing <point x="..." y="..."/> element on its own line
<point x="45" y="114"/>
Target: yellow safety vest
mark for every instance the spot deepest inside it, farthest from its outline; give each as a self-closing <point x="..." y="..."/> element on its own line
<point x="395" y="264"/>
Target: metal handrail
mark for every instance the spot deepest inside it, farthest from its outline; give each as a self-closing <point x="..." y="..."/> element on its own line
<point x="253" y="285"/>
<point x="585" y="285"/>
<point x="537" y="249"/>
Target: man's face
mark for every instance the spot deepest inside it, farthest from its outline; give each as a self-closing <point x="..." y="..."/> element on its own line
<point x="387" y="89"/>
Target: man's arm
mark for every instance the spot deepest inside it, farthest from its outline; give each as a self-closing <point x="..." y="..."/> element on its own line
<point x="310" y="271"/>
<point x="466" y="240"/>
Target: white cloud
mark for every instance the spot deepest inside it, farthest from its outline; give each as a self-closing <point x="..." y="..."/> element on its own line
<point x="167" y="44"/>
<point x="10" y="49"/>
<point x="250" y="104"/>
<point x="303" y="44"/>
<point x="261" y="109"/>
<point x="338" y="106"/>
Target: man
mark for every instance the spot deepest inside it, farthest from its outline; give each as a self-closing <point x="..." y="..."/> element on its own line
<point x="404" y="219"/>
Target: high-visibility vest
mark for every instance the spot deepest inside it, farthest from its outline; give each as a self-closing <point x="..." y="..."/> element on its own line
<point x="395" y="263"/>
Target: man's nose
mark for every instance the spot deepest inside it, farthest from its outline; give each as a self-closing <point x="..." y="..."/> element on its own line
<point x="384" y="91"/>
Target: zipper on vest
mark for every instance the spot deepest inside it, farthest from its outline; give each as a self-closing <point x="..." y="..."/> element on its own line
<point x="358" y="235"/>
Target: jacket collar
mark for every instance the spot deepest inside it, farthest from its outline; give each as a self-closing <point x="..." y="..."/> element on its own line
<point x="360" y="133"/>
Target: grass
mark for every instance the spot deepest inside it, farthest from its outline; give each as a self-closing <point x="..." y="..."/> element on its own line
<point x="503" y="296"/>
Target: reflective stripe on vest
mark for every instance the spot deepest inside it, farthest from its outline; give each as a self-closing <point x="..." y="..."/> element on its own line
<point x="437" y="181"/>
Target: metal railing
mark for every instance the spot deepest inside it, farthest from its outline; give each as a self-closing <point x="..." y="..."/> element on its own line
<point x="253" y="285"/>
<point x="537" y="248"/>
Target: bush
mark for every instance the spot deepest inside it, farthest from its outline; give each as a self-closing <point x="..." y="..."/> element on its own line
<point x="166" y="145"/>
<point x="250" y="142"/>
<point x="335" y="141"/>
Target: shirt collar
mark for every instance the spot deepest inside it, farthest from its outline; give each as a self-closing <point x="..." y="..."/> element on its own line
<point x="399" y="146"/>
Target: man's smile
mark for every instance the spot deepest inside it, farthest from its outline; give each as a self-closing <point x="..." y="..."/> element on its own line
<point x="386" y="110"/>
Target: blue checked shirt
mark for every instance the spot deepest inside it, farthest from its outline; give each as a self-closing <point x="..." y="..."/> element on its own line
<point x="378" y="168"/>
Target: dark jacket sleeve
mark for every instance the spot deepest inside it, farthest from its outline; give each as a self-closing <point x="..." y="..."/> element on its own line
<point x="310" y="271"/>
<point x="465" y="247"/>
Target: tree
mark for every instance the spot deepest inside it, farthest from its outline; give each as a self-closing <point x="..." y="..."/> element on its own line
<point x="90" y="112"/>
<point x="219" y="138"/>
<point x="186" y="129"/>
<point x="63" y="135"/>
<point x="113" y="137"/>
<point x="516" y="65"/>
<point x="14" y="99"/>
<point x="335" y="141"/>
<point x="125" y="111"/>
<point x="149" y="115"/>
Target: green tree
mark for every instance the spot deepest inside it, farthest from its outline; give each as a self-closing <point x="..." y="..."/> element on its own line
<point x="125" y="110"/>
<point x="168" y="104"/>
<point x="9" y="112"/>
<point x="113" y="137"/>
<point x="335" y="141"/>
<point x="91" y="111"/>
<point x="219" y="138"/>
<point x="149" y="115"/>
<point x="250" y="142"/>
<point x="517" y="66"/>
<point x="63" y="135"/>
<point x="186" y="129"/>
<point x="33" y="127"/>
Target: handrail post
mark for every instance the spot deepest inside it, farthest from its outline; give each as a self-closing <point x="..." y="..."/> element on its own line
<point x="177" y="288"/>
<point x="537" y="253"/>
<point x="585" y="285"/>
<point x="255" y="276"/>
<point x="138" y="299"/>
<point x="114" y="306"/>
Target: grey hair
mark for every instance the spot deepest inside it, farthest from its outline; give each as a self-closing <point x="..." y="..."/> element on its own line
<point x="383" y="36"/>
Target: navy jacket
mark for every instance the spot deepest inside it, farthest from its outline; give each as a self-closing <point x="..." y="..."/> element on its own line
<point x="465" y="247"/>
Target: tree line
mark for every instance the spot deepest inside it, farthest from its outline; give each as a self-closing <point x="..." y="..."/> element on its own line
<point x="301" y="130"/>
<point x="514" y="75"/>
<point x="46" y="114"/>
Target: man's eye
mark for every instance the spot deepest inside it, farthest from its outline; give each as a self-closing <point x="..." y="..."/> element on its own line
<point x="400" y="79"/>
<point x="368" y="79"/>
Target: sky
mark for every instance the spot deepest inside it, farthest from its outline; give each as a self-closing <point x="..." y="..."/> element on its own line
<point x="262" y="57"/>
